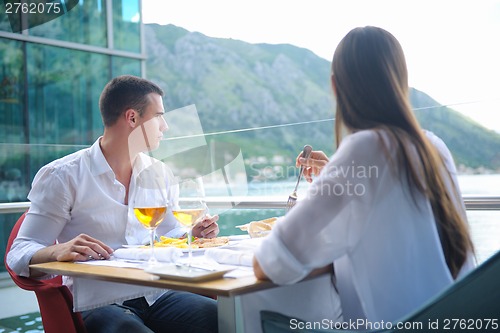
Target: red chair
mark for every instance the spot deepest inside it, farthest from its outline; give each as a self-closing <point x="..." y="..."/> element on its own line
<point x="54" y="299"/>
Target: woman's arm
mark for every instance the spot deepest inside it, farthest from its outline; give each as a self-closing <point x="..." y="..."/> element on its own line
<point x="329" y="219"/>
<point x="259" y="273"/>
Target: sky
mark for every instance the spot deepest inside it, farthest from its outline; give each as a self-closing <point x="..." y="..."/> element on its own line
<point x="452" y="47"/>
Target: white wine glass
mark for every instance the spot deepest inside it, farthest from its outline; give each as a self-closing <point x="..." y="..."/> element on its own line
<point x="150" y="203"/>
<point x="190" y="208"/>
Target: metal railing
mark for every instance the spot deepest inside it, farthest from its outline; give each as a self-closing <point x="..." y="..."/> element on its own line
<point x="472" y="202"/>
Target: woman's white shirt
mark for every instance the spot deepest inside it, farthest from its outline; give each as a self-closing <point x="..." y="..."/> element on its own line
<point x="362" y="216"/>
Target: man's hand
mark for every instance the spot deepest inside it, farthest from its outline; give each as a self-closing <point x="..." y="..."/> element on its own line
<point x="206" y="227"/>
<point x="312" y="165"/>
<point x="81" y="248"/>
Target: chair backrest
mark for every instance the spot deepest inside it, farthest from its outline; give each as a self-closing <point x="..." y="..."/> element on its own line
<point x="471" y="300"/>
<point x="472" y="303"/>
<point x="54" y="299"/>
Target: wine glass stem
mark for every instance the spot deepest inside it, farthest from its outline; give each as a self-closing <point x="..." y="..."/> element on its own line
<point x="190" y="249"/>
<point x="152" y="258"/>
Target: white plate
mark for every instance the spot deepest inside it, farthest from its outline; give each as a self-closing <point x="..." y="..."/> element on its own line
<point x="131" y="246"/>
<point x="134" y="246"/>
<point x="185" y="273"/>
<point x="237" y="238"/>
<point x="184" y="250"/>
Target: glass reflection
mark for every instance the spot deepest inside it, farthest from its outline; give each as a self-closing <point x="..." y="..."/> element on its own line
<point x="6" y="24"/>
<point x="85" y="24"/>
<point x="126" y="25"/>
<point x="7" y="221"/>
<point x="64" y="94"/>
<point x="11" y="91"/>
<point x="485" y="228"/>
<point x="122" y="66"/>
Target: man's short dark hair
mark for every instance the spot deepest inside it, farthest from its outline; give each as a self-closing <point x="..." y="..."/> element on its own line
<point x="123" y="93"/>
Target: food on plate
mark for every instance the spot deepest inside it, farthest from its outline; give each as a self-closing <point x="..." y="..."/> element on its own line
<point x="269" y="221"/>
<point x="197" y="243"/>
<point x="203" y="243"/>
<point x="172" y="242"/>
<point x="259" y="228"/>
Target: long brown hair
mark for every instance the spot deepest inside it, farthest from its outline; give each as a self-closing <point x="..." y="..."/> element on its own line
<point x="370" y="79"/>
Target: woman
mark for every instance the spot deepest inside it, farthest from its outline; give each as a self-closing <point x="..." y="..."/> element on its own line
<point x="386" y="209"/>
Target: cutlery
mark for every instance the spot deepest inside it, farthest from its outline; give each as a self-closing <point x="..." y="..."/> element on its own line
<point x="292" y="199"/>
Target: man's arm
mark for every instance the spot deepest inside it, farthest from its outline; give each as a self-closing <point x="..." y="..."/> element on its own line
<point x="35" y="244"/>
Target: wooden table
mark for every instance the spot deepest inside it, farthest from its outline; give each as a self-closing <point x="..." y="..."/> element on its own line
<point x="227" y="290"/>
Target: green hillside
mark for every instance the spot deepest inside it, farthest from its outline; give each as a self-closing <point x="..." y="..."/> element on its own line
<point x="238" y="85"/>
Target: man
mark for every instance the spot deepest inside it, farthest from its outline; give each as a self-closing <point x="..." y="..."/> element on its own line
<point x="81" y="202"/>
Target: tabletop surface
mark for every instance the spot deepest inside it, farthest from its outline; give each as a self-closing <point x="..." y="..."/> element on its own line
<point x="218" y="287"/>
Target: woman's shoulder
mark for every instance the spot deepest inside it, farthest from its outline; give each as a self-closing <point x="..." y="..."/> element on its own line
<point x="442" y="149"/>
<point x="365" y="139"/>
<point x="436" y="141"/>
<point x="365" y="145"/>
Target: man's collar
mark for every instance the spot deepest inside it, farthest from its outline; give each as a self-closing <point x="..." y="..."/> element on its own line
<point x="98" y="163"/>
<point x="100" y="166"/>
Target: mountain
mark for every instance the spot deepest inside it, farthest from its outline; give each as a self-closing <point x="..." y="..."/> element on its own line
<point x="237" y="85"/>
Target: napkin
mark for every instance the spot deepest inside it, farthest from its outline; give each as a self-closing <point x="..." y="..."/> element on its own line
<point x="165" y="254"/>
<point x="240" y="254"/>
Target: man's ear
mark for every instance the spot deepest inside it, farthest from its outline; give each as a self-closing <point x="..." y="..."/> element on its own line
<point x="131" y="117"/>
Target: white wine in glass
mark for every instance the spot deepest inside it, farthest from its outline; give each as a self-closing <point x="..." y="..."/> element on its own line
<point x="187" y="217"/>
<point x="150" y="217"/>
<point x="150" y="203"/>
<point x="190" y="208"/>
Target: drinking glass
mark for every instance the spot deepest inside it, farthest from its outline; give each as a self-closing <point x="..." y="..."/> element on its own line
<point x="150" y="203"/>
<point x="190" y="208"/>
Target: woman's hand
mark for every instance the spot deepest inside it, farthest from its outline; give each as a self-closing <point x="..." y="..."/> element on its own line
<point x="257" y="270"/>
<point x="207" y="227"/>
<point x="312" y="165"/>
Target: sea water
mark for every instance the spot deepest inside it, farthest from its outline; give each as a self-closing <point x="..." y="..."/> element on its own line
<point x="485" y="225"/>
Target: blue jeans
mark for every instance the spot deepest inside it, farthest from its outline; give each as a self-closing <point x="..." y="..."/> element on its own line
<point x="174" y="311"/>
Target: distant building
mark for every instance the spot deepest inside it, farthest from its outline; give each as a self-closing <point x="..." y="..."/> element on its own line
<point x="51" y="77"/>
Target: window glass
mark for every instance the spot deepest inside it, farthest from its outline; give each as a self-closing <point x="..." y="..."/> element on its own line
<point x="122" y="66"/>
<point x="9" y="22"/>
<point x="14" y="172"/>
<point x="126" y="25"/>
<point x="7" y="221"/>
<point x="85" y="23"/>
<point x="11" y="91"/>
<point x="13" y="161"/>
<point x="229" y="219"/>
<point x="64" y="88"/>
<point x="485" y="228"/>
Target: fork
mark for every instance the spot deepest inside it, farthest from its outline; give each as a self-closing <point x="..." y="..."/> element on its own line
<point x="292" y="198"/>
